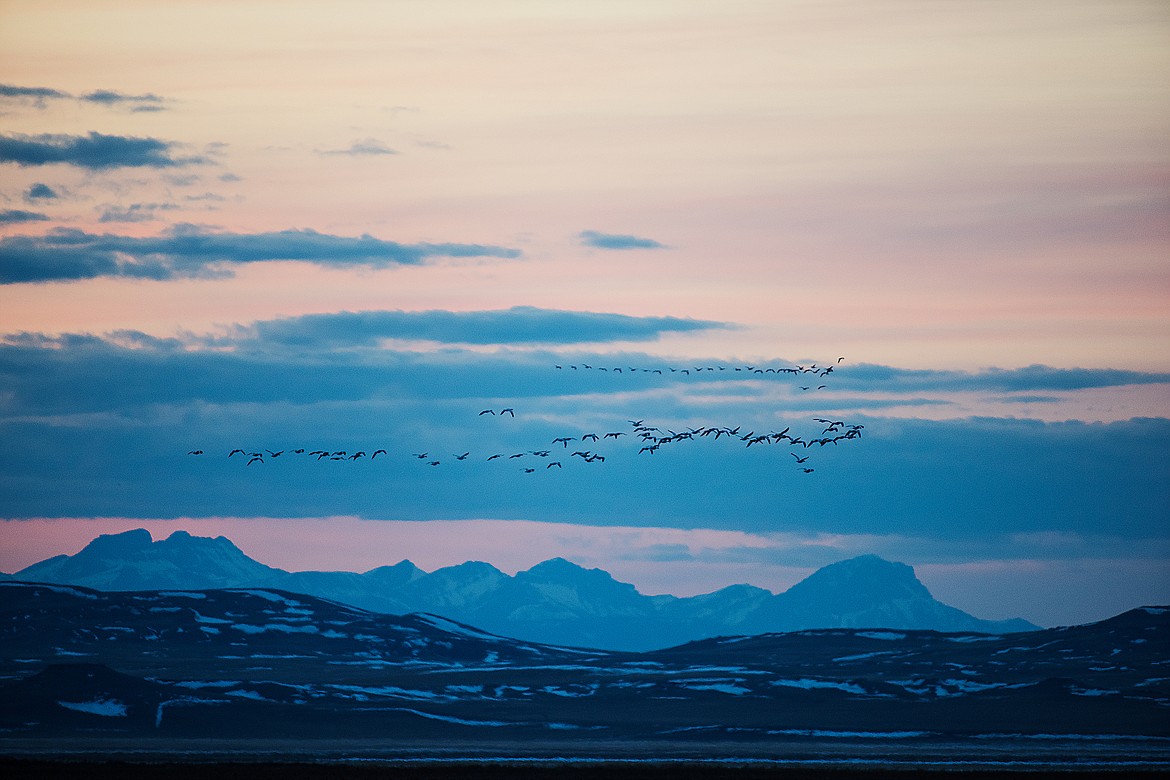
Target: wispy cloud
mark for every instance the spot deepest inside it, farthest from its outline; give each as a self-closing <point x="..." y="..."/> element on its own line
<point x="106" y="97"/>
<point x="1027" y="379"/>
<point x="95" y="151"/>
<point x="135" y="212"/>
<point x="36" y="93"/>
<point x="599" y="240"/>
<point x="188" y="251"/>
<point x="370" y="147"/>
<point x="13" y="216"/>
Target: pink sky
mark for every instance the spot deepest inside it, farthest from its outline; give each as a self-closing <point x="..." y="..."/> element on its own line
<point x="954" y="185"/>
<point x="959" y="185"/>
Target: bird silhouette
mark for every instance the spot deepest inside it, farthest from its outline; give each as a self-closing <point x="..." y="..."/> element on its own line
<point x="195" y="452"/>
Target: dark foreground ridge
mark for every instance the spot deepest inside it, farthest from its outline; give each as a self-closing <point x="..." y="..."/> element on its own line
<point x="274" y="675"/>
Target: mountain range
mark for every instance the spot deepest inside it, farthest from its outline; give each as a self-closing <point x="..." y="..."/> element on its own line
<point x="555" y="602"/>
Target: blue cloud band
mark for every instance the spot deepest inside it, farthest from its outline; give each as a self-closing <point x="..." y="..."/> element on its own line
<point x="187" y="252"/>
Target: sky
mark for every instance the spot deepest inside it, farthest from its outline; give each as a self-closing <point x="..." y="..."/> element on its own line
<point x="361" y="226"/>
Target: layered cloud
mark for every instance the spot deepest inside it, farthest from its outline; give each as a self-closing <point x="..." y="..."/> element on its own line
<point x="93" y="151"/>
<point x="187" y="251"/>
<point x="540" y="353"/>
<point x="130" y="406"/>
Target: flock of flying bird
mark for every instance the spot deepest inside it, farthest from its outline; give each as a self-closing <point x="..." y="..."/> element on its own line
<point x="650" y="438"/>
<point x="811" y="369"/>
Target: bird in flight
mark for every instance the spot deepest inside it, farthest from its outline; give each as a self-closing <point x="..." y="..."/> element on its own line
<point x="195" y="452"/>
<point x="508" y="411"/>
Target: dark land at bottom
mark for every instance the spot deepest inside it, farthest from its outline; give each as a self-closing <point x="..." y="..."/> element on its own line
<point x="539" y="770"/>
<point x="73" y="757"/>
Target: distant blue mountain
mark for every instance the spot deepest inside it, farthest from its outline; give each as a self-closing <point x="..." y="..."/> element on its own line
<point x="554" y="602"/>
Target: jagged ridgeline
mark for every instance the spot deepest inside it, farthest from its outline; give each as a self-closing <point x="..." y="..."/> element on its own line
<point x="554" y="602"/>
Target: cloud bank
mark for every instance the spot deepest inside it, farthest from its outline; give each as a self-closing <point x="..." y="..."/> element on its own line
<point x="130" y="406"/>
